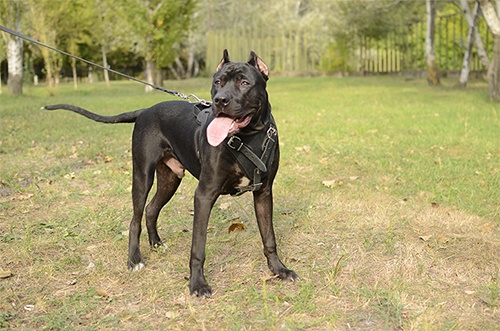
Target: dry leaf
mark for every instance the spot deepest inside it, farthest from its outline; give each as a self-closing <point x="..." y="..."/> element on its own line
<point x="236" y="226"/>
<point x="323" y="161"/>
<point x="171" y="314"/>
<point x="469" y="292"/>
<point x="108" y="159"/>
<point x="426" y="238"/>
<point x="6" y="274"/>
<point x="224" y="205"/>
<point x="330" y="183"/>
<point x="435" y="205"/>
<point x="102" y="293"/>
<point x="487" y="227"/>
<point x="352" y="178"/>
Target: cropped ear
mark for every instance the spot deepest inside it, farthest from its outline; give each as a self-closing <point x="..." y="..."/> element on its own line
<point x="257" y="62"/>
<point x="225" y="59"/>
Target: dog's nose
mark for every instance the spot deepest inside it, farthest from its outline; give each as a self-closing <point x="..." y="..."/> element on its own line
<point x="221" y="100"/>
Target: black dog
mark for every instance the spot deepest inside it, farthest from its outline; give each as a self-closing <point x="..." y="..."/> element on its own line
<point x="231" y="147"/>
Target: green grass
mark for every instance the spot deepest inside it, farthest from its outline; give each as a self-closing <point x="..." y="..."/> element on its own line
<point x="403" y="236"/>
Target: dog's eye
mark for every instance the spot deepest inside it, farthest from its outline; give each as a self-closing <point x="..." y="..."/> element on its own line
<point x="217" y="82"/>
<point x="245" y="83"/>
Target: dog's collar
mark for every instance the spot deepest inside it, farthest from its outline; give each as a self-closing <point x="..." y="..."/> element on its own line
<point x="253" y="153"/>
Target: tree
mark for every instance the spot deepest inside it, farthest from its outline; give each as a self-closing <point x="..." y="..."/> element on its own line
<point x="158" y="26"/>
<point x="481" y="52"/>
<point x="2" y="57"/>
<point x="432" y="71"/>
<point x="11" y="13"/>
<point x="44" y="18"/>
<point x="493" y="21"/>
<point x="464" y="73"/>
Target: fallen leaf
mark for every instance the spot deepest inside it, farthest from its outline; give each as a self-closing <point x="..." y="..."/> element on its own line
<point x="426" y="238"/>
<point x="435" y="204"/>
<point x="224" y="205"/>
<point x="6" y="274"/>
<point x="323" y="161"/>
<point x="108" y="159"/>
<point x="486" y="228"/>
<point x="236" y="226"/>
<point x="102" y="293"/>
<point x="469" y="292"/>
<point x="352" y="178"/>
<point x="171" y="314"/>
<point x="330" y="183"/>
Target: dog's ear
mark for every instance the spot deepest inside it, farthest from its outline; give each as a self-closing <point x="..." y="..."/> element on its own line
<point x="225" y="59"/>
<point x="257" y="62"/>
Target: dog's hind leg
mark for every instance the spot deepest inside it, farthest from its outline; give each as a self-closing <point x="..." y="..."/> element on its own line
<point x="143" y="177"/>
<point x="167" y="181"/>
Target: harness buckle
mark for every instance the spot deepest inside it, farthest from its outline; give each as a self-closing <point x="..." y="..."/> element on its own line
<point x="238" y="142"/>
<point x="271" y="133"/>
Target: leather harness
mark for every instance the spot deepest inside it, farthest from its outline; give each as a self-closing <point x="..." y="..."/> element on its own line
<point x="253" y="153"/>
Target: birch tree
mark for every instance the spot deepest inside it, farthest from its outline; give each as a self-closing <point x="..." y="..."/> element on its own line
<point x="432" y="71"/>
<point x="11" y="13"/>
<point x="481" y="52"/>
<point x="471" y="36"/>
<point x="492" y="19"/>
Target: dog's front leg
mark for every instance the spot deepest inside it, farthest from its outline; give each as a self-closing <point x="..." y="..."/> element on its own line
<point x="263" y="203"/>
<point x="203" y="203"/>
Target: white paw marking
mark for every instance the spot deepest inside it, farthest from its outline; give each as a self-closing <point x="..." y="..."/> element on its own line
<point x="139" y="267"/>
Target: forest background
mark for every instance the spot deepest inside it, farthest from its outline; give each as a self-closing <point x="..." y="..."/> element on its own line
<point x="161" y="39"/>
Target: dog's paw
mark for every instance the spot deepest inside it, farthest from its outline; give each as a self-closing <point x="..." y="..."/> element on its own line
<point x="203" y="290"/>
<point x="136" y="267"/>
<point x="287" y="274"/>
<point x="157" y="245"/>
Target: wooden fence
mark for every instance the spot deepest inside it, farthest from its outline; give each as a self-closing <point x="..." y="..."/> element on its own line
<point x="305" y="50"/>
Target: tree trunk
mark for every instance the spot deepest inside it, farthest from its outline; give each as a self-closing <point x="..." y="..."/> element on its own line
<point x="494" y="72"/>
<point x="189" y="71"/>
<point x="481" y="52"/>
<point x="432" y="71"/>
<point x="48" y="69"/>
<point x="464" y="73"/>
<point x="158" y="76"/>
<point x="15" y="65"/>
<point x="174" y="71"/>
<point x="105" y="62"/>
<point x="493" y="22"/>
<point x="15" y="51"/>
<point x="75" y="78"/>
<point x="180" y="67"/>
<point x="150" y="74"/>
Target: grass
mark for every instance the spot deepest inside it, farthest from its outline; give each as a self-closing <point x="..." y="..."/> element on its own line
<point x="386" y="205"/>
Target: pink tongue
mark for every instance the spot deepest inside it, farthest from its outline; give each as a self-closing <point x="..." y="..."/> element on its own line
<point x="218" y="130"/>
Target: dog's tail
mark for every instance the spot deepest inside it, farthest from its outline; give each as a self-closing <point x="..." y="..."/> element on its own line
<point x="129" y="117"/>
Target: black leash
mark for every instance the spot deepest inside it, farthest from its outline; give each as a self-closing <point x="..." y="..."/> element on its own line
<point x="177" y="94"/>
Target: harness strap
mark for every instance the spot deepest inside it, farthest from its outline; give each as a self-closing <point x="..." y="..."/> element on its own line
<point x="246" y="149"/>
<point x="268" y="148"/>
<point x="235" y="143"/>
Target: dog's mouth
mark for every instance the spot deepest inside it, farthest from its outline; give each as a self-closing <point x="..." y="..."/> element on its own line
<point x="223" y="125"/>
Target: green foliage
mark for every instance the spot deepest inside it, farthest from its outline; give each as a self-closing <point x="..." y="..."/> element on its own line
<point x="158" y="25"/>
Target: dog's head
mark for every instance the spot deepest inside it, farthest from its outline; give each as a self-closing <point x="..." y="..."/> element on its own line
<point x="239" y="97"/>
